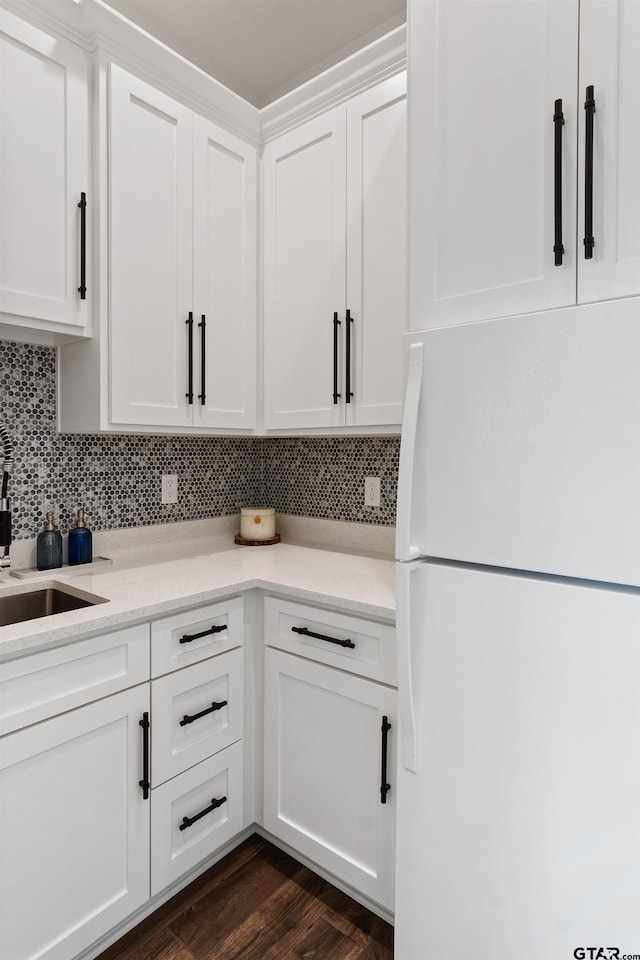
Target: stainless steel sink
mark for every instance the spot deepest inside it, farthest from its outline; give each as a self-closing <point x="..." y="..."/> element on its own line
<point x="45" y="602"/>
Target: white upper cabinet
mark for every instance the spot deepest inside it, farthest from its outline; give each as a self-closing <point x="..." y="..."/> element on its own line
<point x="484" y="79"/>
<point x="377" y="251"/>
<point x="494" y="229"/>
<point x="335" y="265"/>
<point x="304" y="276"/>
<point x="225" y="237"/>
<point x="150" y="252"/>
<point x="609" y="62"/>
<point x="44" y="176"/>
<point x="182" y="255"/>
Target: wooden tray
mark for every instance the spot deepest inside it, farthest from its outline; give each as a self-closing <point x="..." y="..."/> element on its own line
<point x="257" y="543"/>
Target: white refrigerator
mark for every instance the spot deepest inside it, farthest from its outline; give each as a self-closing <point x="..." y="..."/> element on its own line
<point x="518" y="573"/>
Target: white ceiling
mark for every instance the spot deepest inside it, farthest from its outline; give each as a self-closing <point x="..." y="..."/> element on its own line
<point x="262" y="49"/>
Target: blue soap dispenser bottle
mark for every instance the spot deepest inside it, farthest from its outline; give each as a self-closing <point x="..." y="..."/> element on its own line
<point x="49" y="546"/>
<point x="80" y="548"/>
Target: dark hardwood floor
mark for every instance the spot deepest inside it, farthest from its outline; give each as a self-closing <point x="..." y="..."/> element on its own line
<point x="258" y="904"/>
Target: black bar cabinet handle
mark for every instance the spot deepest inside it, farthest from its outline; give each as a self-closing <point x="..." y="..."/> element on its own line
<point x="348" y="393"/>
<point x="384" y="786"/>
<point x="144" y="783"/>
<point x="82" y="289"/>
<point x="558" y="122"/>
<point x="305" y="632"/>
<point x="590" y="109"/>
<point x="189" y="821"/>
<point x="189" y="637"/>
<point x="336" y="324"/>
<point x="203" y="713"/>
<point x="203" y="371"/>
<point x="189" y="323"/>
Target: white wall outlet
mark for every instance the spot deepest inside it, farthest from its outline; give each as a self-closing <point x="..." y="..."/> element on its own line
<point x="169" y="488"/>
<point x="372" y="491"/>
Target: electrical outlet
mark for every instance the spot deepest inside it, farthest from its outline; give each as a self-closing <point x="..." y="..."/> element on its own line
<point x="372" y="491"/>
<point x="169" y="488"/>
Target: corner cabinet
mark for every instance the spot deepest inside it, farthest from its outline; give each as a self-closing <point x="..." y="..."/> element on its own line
<point x="44" y="179"/>
<point x="500" y="96"/>
<point x="178" y="353"/>
<point x="329" y="743"/>
<point x="335" y="265"/>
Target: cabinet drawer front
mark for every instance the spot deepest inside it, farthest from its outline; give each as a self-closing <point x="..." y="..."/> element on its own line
<point x="175" y="850"/>
<point x="195" y="713"/>
<point x="36" y="687"/>
<point x="373" y="653"/>
<point x="195" y="635"/>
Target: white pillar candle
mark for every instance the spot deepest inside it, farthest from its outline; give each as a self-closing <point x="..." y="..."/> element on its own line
<point x="257" y="523"/>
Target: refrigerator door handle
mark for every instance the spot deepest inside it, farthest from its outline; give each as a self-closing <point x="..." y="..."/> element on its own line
<point x="405" y="550"/>
<point x="406" y="573"/>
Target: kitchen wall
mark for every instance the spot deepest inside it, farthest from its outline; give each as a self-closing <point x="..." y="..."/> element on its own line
<point x="117" y="478"/>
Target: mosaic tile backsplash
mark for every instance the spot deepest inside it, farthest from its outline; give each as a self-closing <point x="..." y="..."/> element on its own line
<point x="117" y="478"/>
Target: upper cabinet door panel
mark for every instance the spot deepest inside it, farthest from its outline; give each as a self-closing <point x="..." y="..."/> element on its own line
<point x="225" y="275"/>
<point x="150" y="252"/>
<point x="609" y="61"/>
<point x="304" y="271"/>
<point x="44" y="157"/>
<point x="484" y="78"/>
<point x="377" y="249"/>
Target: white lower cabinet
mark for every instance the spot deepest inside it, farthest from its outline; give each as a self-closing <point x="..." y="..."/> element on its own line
<point x="194" y="814"/>
<point x="74" y="828"/>
<point x="327" y="762"/>
<point x="196" y="712"/>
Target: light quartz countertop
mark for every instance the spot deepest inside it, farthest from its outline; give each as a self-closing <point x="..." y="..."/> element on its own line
<point x="156" y="581"/>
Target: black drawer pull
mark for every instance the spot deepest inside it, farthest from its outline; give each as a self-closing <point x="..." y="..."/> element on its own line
<point x="188" y="637"/>
<point x="336" y="324"/>
<point x="590" y="109"/>
<point x="384" y="786"/>
<point x="348" y="392"/>
<point x="82" y="289"/>
<point x="189" y="821"/>
<point x="144" y="783"/>
<point x="203" y="713"/>
<point x="189" y="323"/>
<point x="305" y="632"/>
<point x="558" y="122"/>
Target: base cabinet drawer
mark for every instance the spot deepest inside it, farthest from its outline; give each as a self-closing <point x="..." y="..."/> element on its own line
<point x="195" y="712"/>
<point x="195" y="814"/>
<point x="325" y="762"/>
<point x="195" y="635"/>
<point x="337" y="639"/>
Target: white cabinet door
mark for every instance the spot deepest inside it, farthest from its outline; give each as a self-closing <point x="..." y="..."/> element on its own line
<point x="484" y="78"/>
<point x="150" y="252"/>
<point x="609" y="43"/>
<point x="224" y="277"/>
<point x="74" y="828"/>
<point x="44" y="156"/>
<point x="304" y="272"/>
<point x="377" y="251"/>
<point x="323" y="770"/>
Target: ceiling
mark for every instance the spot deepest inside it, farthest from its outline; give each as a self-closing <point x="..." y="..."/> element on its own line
<point x="262" y="49"/>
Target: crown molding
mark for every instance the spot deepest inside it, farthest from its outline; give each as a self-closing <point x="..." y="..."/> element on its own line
<point x="94" y="26"/>
<point x="383" y="58"/>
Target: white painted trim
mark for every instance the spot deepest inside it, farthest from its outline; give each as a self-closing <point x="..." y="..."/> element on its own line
<point x="94" y="26"/>
<point x="381" y="59"/>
